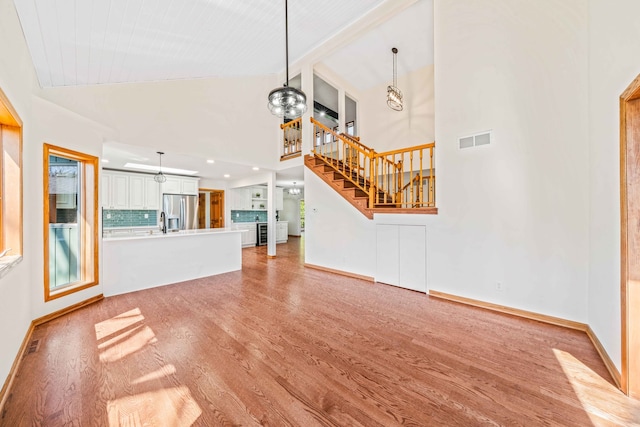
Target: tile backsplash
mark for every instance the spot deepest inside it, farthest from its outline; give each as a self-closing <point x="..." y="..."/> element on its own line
<point x="128" y="218"/>
<point x="248" y="216"/>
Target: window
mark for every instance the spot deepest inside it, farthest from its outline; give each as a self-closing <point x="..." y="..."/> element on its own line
<point x="351" y="128"/>
<point x="10" y="183"/>
<point x="70" y="221"/>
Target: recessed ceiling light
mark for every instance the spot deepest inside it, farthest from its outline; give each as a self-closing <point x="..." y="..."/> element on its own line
<point x="255" y="168"/>
<point x="211" y="161"/>
<point x="105" y="161"/>
<point x="157" y="169"/>
<point x="226" y="175"/>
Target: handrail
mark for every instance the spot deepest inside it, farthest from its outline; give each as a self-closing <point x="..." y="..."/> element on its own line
<point x="355" y="140"/>
<point x="292" y="139"/>
<point x="350" y="158"/>
<point x="402" y="150"/>
<point x="381" y="176"/>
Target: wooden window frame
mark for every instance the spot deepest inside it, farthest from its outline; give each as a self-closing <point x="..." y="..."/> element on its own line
<point x="87" y="221"/>
<point x="11" y="183"/>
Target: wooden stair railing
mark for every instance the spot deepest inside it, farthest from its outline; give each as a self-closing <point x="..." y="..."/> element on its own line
<point x="397" y="181"/>
<point x="347" y="156"/>
<point x="292" y="139"/>
<point x="413" y="165"/>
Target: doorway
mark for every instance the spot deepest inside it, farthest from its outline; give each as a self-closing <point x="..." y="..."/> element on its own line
<point x="630" y="237"/>
<point x="210" y="208"/>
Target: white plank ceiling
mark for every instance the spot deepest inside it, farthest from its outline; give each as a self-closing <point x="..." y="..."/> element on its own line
<point x="85" y="42"/>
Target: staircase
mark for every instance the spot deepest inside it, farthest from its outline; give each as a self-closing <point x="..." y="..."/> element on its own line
<point x="392" y="182"/>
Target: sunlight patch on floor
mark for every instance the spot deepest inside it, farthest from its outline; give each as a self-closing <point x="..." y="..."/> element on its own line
<point x="595" y="394"/>
<point x="125" y="335"/>
<point x="165" y="371"/>
<point x="118" y="323"/>
<point x="126" y="344"/>
<point x="164" y="407"/>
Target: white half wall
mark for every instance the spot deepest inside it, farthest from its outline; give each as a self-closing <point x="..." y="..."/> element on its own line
<point x="516" y="211"/>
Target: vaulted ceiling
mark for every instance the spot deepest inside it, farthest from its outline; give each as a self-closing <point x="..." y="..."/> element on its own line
<point x="80" y="42"/>
<point x="102" y="42"/>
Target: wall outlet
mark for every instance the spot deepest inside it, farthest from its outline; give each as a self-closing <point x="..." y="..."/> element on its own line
<point x="499" y="286"/>
<point x="146" y="216"/>
<point x="108" y="216"/>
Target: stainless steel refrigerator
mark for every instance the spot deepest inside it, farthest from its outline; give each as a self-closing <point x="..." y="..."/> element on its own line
<point x="181" y="211"/>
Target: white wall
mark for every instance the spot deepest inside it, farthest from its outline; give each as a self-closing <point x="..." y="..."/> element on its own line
<point x="515" y="212"/>
<point x="22" y="288"/>
<point x="383" y="129"/>
<point x="613" y="64"/>
<point x="291" y="213"/>
<point x="337" y="236"/>
<point x="55" y="125"/>
<point x="16" y="79"/>
<point x="197" y="117"/>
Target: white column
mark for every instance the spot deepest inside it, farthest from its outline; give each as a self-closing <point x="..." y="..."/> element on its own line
<point x="342" y="111"/>
<point x="271" y="215"/>
<point x="307" y="129"/>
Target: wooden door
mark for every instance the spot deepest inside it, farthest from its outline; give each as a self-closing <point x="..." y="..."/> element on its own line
<point x="216" y="215"/>
<point x="202" y="210"/>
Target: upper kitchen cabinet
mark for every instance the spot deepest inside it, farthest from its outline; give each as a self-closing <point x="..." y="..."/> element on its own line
<point x="241" y="199"/>
<point x="144" y="192"/>
<point x="255" y="199"/>
<point x="115" y="190"/>
<point x="180" y="185"/>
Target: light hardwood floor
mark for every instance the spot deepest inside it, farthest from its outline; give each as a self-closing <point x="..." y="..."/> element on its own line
<point x="277" y="344"/>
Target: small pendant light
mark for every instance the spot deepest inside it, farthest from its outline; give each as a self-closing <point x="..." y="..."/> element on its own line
<point x="394" y="95"/>
<point x="295" y="190"/>
<point x="160" y="178"/>
<point x="287" y="101"/>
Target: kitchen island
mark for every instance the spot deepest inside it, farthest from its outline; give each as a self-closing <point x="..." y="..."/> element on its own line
<point x="145" y="260"/>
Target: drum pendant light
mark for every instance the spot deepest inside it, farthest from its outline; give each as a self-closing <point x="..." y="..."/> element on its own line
<point x="287" y="101"/>
<point x="394" y="95"/>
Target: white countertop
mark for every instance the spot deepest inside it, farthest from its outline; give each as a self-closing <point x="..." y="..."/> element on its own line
<point x="156" y="234"/>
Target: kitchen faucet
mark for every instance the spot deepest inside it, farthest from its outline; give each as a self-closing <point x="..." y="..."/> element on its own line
<point x="163" y="220"/>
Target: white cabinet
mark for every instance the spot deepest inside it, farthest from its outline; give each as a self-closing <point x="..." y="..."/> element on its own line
<point x="172" y="185"/>
<point x="401" y="256"/>
<point x="259" y="198"/>
<point x="279" y="199"/>
<point x="255" y="199"/>
<point x="241" y="199"/>
<point x="282" y="232"/>
<point x="180" y="185"/>
<point x="151" y="194"/>
<point x="144" y="193"/>
<point x="249" y="238"/>
<point x="115" y="190"/>
<point x="189" y="186"/>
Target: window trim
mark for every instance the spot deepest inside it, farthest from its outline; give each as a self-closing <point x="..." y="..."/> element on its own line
<point x="88" y="222"/>
<point x="10" y="145"/>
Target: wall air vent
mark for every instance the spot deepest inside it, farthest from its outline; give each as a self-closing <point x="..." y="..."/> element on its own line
<point x="483" y="138"/>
